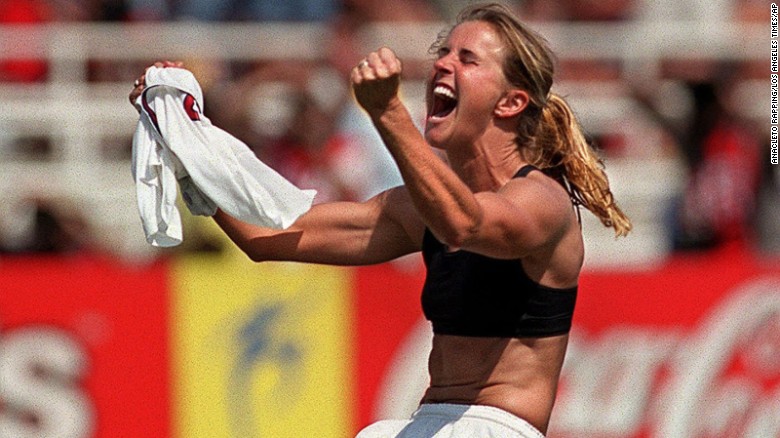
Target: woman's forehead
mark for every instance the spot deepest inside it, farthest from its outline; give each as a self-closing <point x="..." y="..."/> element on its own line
<point x="475" y="35"/>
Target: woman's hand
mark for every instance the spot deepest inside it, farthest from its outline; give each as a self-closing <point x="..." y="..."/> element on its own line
<point x="140" y="83"/>
<point x="376" y="80"/>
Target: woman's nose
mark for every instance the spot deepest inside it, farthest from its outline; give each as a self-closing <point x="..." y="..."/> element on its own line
<point x="443" y="63"/>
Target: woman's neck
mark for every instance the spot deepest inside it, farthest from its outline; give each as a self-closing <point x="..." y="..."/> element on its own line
<point x="485" y="167"/>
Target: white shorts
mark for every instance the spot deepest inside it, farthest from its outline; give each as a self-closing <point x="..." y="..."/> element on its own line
<point x="453" y="421"/>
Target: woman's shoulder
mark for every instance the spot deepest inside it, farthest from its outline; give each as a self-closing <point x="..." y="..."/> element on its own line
<point x="540" y="191"/>
<point x="559" y="260"/>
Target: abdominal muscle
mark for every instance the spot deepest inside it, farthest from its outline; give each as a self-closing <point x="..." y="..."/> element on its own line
<point x="518" y="375"/>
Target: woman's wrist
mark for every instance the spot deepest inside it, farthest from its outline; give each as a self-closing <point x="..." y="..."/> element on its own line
<point x="394" y="111"/>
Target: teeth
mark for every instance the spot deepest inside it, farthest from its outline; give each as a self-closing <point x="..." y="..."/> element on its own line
<point x="444" y="91"/>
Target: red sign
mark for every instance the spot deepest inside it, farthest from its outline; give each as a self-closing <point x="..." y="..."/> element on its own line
<point x="388" y="307"/>
<point x="687" y="349"/>
<point x="83" y="348"/>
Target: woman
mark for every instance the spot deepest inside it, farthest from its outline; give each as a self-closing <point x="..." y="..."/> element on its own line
<point x="497" y="223"/>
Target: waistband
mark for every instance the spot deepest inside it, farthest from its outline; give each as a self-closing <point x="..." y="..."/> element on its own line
<point x="485" y="413"/>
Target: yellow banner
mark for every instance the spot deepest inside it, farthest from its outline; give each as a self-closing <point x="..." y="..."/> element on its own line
<point x="261" y="350"/>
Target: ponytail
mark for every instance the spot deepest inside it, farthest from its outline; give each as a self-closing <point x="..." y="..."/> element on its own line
<point x="559" y="149"/>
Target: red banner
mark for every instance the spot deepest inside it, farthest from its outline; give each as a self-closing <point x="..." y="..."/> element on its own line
<point x="687" y="349"/>
<point x="388" y="307"/>
<point x="83" y="349"/>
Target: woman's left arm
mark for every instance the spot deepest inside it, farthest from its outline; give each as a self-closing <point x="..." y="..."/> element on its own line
<point x="507" y="224"/>
<point x="445" y="203"/>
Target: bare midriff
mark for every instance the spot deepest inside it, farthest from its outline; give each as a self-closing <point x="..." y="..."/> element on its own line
<point x="518" y="375"/>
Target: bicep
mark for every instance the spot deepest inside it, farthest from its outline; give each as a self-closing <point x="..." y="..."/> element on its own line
<point x="517" y="223"/>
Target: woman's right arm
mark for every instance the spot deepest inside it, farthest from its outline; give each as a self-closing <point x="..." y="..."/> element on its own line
<point x="342" y="233"/>
<point x="339" y="233"/>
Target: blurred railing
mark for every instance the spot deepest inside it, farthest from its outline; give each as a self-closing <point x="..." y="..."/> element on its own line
<point x="78" y="116"/>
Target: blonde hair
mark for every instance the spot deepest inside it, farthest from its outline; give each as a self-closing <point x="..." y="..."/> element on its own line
<point x="548" y="133"/>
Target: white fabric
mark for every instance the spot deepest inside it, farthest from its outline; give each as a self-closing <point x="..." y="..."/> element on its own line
<point x="454" y="421"/>
<point x="213" y="168"/>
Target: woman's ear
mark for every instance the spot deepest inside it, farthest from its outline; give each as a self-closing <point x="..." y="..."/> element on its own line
<point x="512" y="103"/>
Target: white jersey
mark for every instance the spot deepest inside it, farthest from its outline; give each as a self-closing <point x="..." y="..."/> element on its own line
<point x="174" y="142"/>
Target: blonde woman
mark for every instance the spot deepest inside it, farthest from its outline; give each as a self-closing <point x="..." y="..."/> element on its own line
<point x="501" y="240"/>
<point x="497" y="223"/>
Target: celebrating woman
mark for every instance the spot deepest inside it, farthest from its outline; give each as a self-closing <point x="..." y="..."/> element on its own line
<point x="497" y="223"/>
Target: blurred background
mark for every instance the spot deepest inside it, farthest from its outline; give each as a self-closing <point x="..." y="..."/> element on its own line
<point x="103" y="335"/>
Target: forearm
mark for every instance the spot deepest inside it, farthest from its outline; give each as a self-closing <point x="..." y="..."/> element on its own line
<point x="260" y="244"/>
<point x="443" y="200"/>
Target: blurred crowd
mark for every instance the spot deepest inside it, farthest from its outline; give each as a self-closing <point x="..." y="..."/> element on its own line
<point x="299" y="116"/>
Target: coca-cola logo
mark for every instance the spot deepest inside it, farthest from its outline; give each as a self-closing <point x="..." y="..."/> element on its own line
<point x="720" y="379"/>
<point x="40" y="371"/>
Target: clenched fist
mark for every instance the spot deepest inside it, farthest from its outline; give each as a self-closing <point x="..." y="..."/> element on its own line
<point x="376" y="80"/>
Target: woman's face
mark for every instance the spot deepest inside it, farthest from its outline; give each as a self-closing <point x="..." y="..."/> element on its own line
<point x="465" y="85"/>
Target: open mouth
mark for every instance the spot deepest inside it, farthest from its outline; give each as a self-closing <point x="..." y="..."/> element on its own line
<point x="444" y="101"/>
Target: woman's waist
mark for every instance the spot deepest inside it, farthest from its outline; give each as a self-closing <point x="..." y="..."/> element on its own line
<point x="531" y="405"/>
<point x="481" y="361"/>
<point x="517" y="375"/>
<point x="483" y="414"/>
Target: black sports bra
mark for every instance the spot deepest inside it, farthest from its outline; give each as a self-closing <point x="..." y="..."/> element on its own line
<point x="468" y="294"/>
